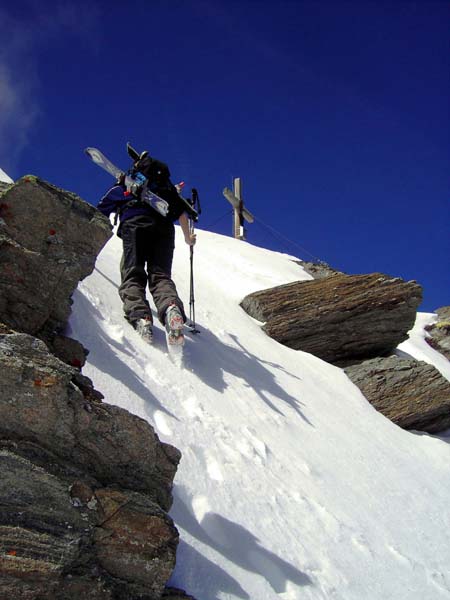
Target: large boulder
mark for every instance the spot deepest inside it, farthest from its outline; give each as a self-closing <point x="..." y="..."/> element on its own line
<point x="50" y="417"/>
<point x="342" y="318"/>
<point x="135" y="540"/>
<point x="49" y="241"/>
<point x="106" y="545"/>
<point x="84" y="486"/>
<point x="40" y="530"/>
<point x="412" y="394"/>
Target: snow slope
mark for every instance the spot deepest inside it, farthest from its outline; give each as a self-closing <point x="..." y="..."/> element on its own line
<point x="4" y="177"/>
<point x="417" y="347"/>
<point x="291" y="485"/>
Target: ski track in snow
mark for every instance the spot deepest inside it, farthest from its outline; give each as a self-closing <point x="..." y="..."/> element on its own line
<point x="290" y="485"/>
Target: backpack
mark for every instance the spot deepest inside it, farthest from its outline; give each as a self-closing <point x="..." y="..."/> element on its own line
<point x="157" y="174"/>
<point x="158" y="180"/>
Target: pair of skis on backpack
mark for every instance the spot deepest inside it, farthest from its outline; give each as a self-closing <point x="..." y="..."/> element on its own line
<point x="137" y="184"/>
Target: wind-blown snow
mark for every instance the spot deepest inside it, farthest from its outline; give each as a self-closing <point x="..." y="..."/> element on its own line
<point x="4" y="177"/>
<point x="291" y="485"/>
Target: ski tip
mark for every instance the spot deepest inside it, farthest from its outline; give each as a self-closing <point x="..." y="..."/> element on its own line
<point x="132" y="153"/>
<point x="91" y="152"/>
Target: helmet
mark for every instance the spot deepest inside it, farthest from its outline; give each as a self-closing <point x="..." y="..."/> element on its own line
<point x="154" y="170"/>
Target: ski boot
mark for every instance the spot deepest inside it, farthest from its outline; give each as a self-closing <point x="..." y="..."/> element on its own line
<point x="174" y="326"/>
<point x="144" y="328"/>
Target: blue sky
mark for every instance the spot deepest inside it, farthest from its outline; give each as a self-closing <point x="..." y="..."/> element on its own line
<point x="335" y="115"/>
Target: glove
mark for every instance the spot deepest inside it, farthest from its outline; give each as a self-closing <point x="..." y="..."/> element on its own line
<point x="133" y="186"/>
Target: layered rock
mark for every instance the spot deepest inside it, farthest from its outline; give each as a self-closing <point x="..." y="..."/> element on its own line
<point x="84" y="486"/>
<point x="341" y="319"/>
<point x="412" y="394"/>
<point x="49" y="241"/>
<point x="439" y="332"/>
<point x="43" y="405"/>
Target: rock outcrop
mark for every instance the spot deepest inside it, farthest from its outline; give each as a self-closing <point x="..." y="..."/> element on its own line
<point x="439" y="332"/>
<point x="43" y="406"/>
<point x="49" y="241"/>
<point x="85" y="486"/>
<point x="342" y="319"/>
<point x="412" y="394"/>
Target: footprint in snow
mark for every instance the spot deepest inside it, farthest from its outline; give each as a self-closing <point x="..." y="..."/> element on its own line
<point x="252" y="445"/>
<point x="155" y="375"/>
<point x="115" y="332"/>
<point x="161" y="423"/>
<point x="213" y="469"/>
<point x="200" y="506"/>
<point x="440" y="580"/>
<point x="193" y="407"/>
<point x="361" y="544"/>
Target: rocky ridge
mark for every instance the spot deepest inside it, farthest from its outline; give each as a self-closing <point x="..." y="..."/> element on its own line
<point x="49" y="241"/>
<point x="85" y="485"/>
<point x="356" y="322"/>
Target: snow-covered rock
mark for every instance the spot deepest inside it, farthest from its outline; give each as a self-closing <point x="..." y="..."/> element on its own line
<point x="5" y="181"/>
<point x="4" y="177"/>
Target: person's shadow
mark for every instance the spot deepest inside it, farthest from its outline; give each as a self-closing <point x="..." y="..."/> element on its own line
<point x="209" y="358"/>
<point x="102" y="354"/>
<point x="237" y="544"/>
<point x="198" y="572"/>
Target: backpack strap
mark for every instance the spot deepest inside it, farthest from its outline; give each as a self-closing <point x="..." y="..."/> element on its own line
<point x="126" y="205"/>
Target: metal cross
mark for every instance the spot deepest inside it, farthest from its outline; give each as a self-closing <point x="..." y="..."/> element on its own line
<point x="240" y="212"/>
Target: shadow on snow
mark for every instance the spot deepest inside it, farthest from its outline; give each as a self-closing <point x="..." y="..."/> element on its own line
<point x="105" y="360"/>
<point x="209" y="359"/>
<point x="236" y="544"/>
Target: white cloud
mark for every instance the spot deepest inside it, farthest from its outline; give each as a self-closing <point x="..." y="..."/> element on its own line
<point x="18" y="109"/>
<point x="20" y="85"/>
<point x="18" y="113"/>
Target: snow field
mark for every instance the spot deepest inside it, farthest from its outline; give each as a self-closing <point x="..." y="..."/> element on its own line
<point x="290" y="485"/>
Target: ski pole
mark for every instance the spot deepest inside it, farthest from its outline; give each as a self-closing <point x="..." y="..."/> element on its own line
<point x="194" y="201"/>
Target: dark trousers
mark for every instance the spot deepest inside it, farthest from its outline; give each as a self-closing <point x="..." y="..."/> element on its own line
<point x="147" y="259"/>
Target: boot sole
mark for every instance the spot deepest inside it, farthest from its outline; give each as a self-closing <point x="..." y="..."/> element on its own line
<point x="175" y="335"/>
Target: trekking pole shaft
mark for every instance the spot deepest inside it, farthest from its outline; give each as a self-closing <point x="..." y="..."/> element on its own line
<point x="191" y="291"/>
<point x="191" y="294"/>
<point x="195" y="204"/>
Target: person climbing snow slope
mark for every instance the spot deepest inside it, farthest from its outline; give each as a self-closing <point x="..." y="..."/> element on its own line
<point x="148" y="237"/>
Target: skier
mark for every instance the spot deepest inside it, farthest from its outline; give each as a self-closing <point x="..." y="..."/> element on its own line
<point x="148" y="239"/>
